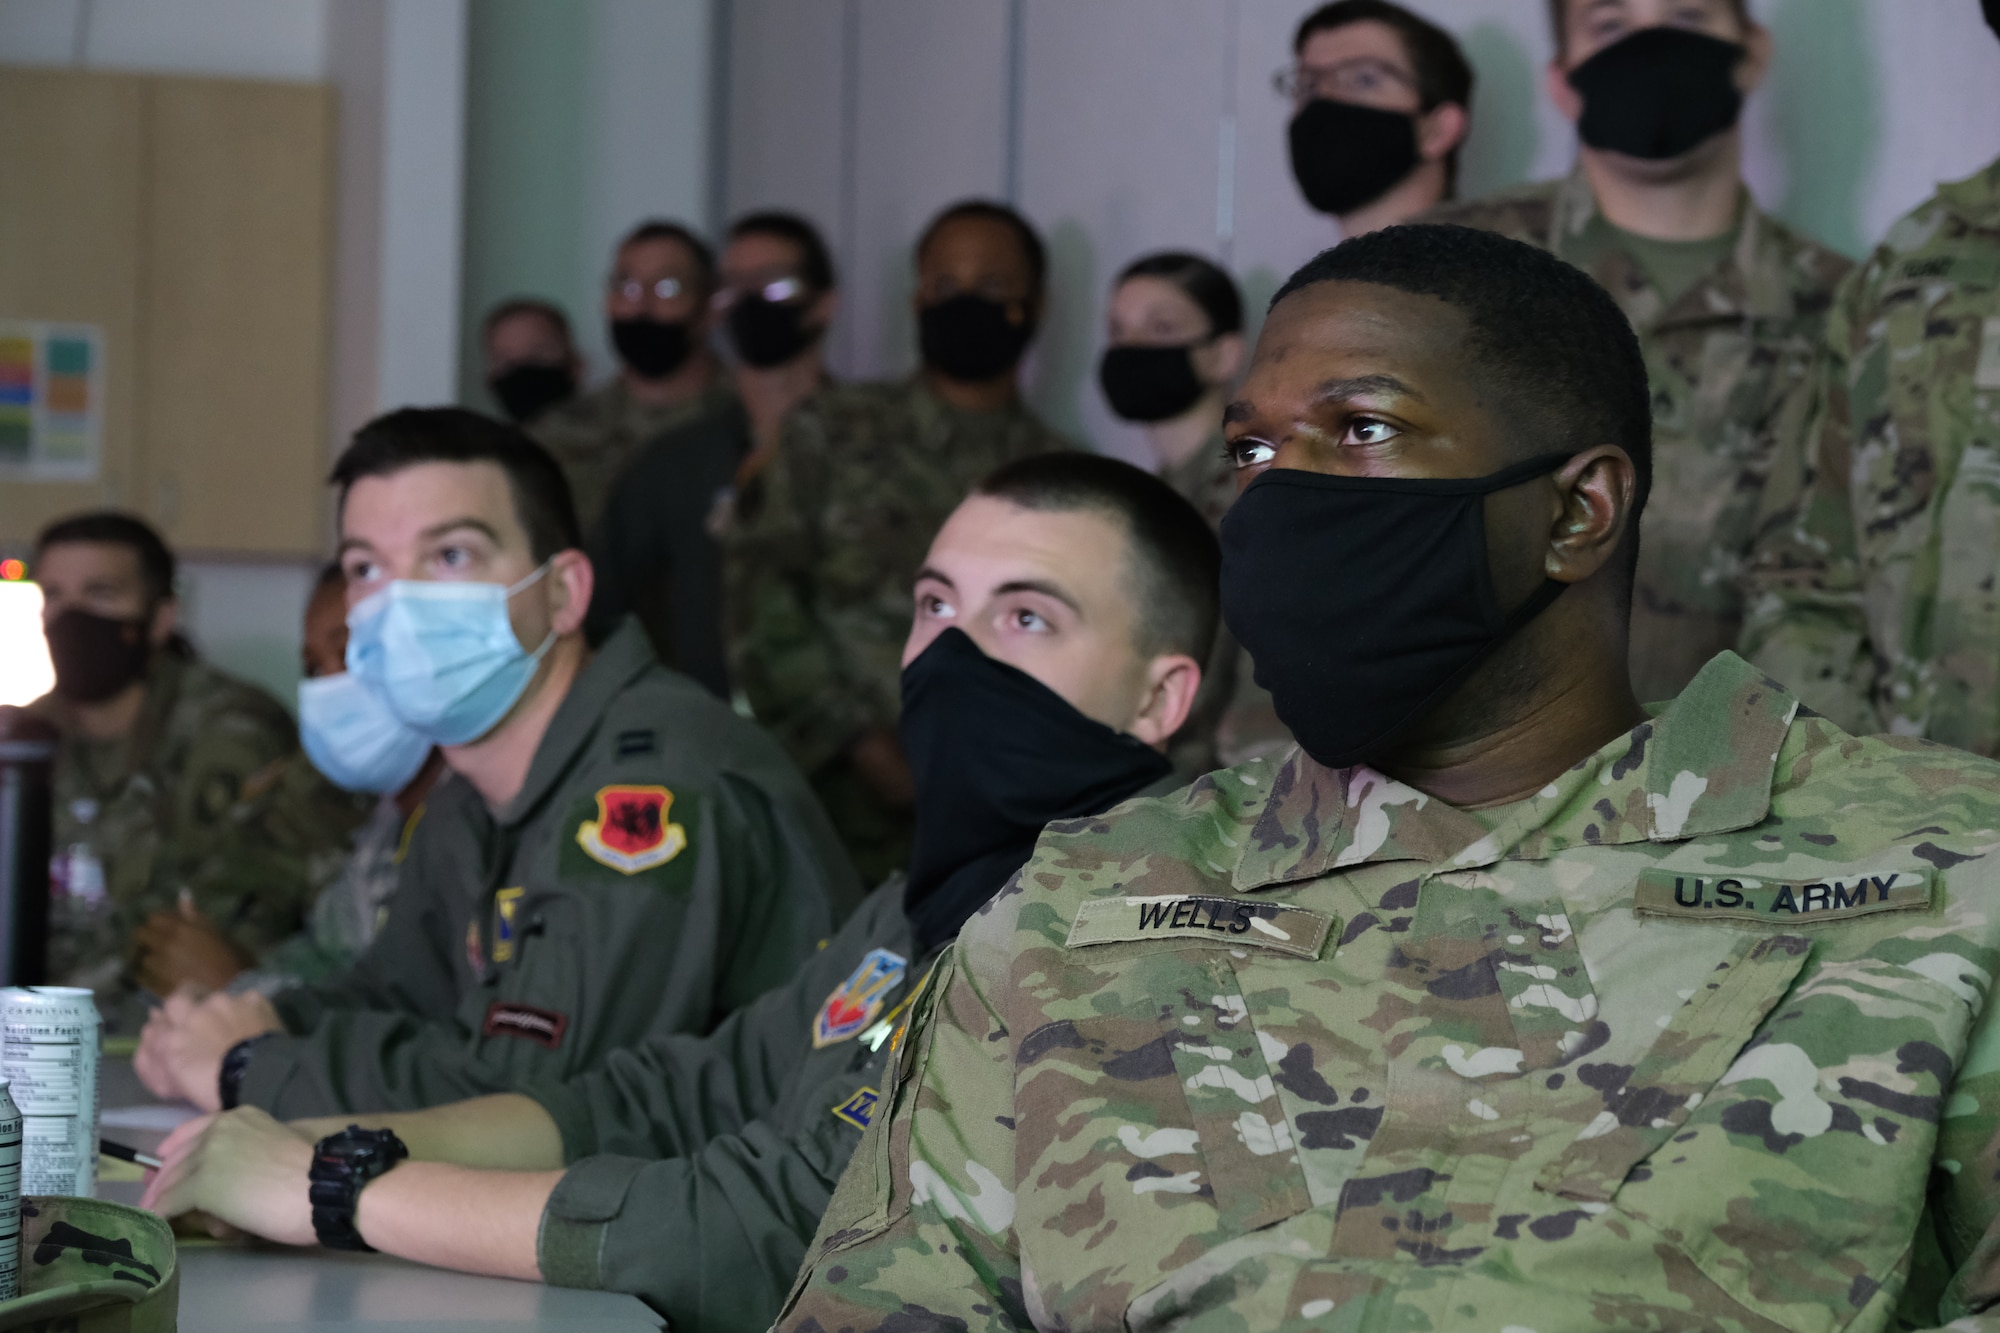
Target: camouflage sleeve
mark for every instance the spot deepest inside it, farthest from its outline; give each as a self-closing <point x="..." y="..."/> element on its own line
<point x="249" y="873"/>
<point x="787" y="652"/>
<point x="921" y="1226"/>
<point x="1803" y="616"/>
<point x="1955" y="1261"/>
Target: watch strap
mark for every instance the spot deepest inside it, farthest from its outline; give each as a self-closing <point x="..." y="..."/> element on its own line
<point x="235" y="1064"/>
<point x="342" y="1165"/>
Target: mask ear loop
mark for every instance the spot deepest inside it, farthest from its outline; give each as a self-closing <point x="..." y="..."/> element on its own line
<point x="530" y="579"/>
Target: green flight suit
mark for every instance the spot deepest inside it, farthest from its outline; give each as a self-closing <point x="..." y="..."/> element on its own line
<point x="1699" y="1036"/>
<point x="1721" y="359"/>
<point x="818" y="562"/>
<point x="662" y="865"/>
<point x="1873" y="588"/>
<point x="208" y="793"/>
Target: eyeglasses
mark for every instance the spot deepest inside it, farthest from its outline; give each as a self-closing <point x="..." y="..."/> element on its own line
<point x="775" y="290"/>
<point x="631" y="289"/>
<point x="1350" y="80"/>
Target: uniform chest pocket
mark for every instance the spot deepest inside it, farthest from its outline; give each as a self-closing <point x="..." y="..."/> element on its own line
<point x="1163" y="1113"/>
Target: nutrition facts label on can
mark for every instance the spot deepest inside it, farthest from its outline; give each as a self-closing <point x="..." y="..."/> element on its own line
<point x="52" y="1067"/>
<point x="10" y="1198"/>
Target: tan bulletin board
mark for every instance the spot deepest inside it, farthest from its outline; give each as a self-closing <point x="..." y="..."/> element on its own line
<point x="168" y="240"/>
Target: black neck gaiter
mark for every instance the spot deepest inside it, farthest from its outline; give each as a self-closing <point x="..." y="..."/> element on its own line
<point x="1658" y="93"/>
<point x="1363" y="601"/>
<point x="996" y="755"/>
<point x="96" y="656"/>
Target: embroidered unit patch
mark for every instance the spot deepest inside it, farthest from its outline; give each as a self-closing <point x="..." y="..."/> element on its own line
<point x="855" y="1001"/>
<point x="631" y="832"/>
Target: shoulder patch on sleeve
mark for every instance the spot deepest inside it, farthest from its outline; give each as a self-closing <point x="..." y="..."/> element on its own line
<point x="855" y="1001"/>
<point x="632" y="832"/>
<point x="1232" y="921"/>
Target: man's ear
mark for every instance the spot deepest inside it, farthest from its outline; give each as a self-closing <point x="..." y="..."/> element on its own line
<point x="1171" y="682"/>
<point x="1757" y="63"/>
<point x="1440" y="130"/>
<point x="166" y="616"/>
<point x="572" y="580"/>
<point x="820" y="314"/>
<point x="1567" y="99"/>
<point x="1598" y="488"/>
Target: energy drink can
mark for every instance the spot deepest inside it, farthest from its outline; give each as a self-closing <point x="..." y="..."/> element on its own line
<point x="50" y="1037"/>
<point x="10" y="1197"/>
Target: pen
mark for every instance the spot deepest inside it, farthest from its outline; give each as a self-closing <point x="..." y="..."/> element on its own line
<point x="126" y="1153"/>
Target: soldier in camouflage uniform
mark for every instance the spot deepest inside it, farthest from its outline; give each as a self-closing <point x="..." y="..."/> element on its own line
<point x="656" y="303"/>
<point x="1728" y="322"/>
<point x="168" y="773"/>
<point x="1520" y="1021"/>
<point x="1873" y="580"/>
<point x="824" y="542"/>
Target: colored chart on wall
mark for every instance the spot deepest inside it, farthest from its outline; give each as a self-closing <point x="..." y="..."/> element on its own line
<point x="51" y="400"/>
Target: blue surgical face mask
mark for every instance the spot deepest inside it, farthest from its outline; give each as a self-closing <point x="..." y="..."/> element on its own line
<point x="351" y="736"/>
<point x="443" y="656"/>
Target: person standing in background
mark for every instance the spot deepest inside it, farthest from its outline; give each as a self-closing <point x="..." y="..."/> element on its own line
<point x="1872" y="588"/>
<point x="828" y="536"/>
<point x="162" y="763"/>
<point x="1175" y="348"/>
<point x="1382" y="102"/>
<point x="656" y="545"/>
<point x="656" y="302"/>
<point x="531" y="360"/>
<point x="1727" y="301"/>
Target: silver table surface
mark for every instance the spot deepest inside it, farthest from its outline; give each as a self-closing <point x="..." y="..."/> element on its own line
<point x="226" y="1288"/>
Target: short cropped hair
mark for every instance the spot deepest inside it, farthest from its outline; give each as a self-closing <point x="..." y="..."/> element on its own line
<point x="991" y="211"/>
<point x="1175" y="559"/>
<point x="1556" y="353"/>
<point x="528" y="305"/>
<point x="115" y="527"/>
<point x="1202" y="282"/>
<point x="1559" y="21"/>
<point x="1443" y="72"/>
<point x="659" y="229"/>
<point x="413" y="435"/>
<point x="815" y="260"/>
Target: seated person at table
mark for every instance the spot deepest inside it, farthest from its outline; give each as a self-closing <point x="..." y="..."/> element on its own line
<point x="615" y="855"/>
<point x="161" y="775"/>
<point x="345" y="915"/>
<point x="1060" y="616"/>
<point x="1550" y="1011"/>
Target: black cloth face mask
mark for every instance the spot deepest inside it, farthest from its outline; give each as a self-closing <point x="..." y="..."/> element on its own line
<point x="1345" y="155"/>
<point x="996" y="754"/>
<point x="96" y="656"/>
<point x="1658" y="93"/>
<point x="531" y="388"/>
<point x="1364" y="601"/>
<point x="1149" y="383"/>
<point x="653" y="348"/>
<point x="970" y="338"/>
<point x="769" y="333"/>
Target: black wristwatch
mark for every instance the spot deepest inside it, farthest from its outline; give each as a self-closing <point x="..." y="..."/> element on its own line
<point x="342" y="1164"/>
<point x="229" y="1083"/>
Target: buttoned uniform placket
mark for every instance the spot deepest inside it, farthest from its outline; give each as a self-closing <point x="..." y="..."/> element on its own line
<point x="1500" y="1061"/>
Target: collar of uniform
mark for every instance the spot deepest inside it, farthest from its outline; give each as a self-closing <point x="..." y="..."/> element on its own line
<point x="1702" y="766"/>
<point x="936" y="419"/>
<point x="1976" y="199"/>
<point x="622" y="658"/>
<point x="1750" y="285"/>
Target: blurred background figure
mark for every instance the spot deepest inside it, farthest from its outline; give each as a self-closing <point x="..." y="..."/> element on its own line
<point x="826" y="539"/>
<point x="1382" y="102"/>
<point x="532" y="363"/>
<point x="656" y="544"/>
<point x="1727" y="301"/>
<point x="656" y="303"/>
<point x="164" y="776"/>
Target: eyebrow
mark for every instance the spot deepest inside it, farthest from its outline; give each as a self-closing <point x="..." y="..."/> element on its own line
<point x="1353" y="386"/>
<point x="1042" y="586"/>
<point x="478" y="525"/>
<point x="935" y="576"/>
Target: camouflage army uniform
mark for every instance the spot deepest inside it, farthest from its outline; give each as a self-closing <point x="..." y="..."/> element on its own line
<point x="818" y="563"/>
<point x="1720" y="361"/>
<point x="595" y="434"/>
<point x="199" y="796"/>
<point x="1872" y="588"/>
<point x="1693" y="1038"/>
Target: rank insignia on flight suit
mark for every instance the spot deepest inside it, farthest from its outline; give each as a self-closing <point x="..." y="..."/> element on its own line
<point x="855" y="1001"/>
<point x="631" y="832"/>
